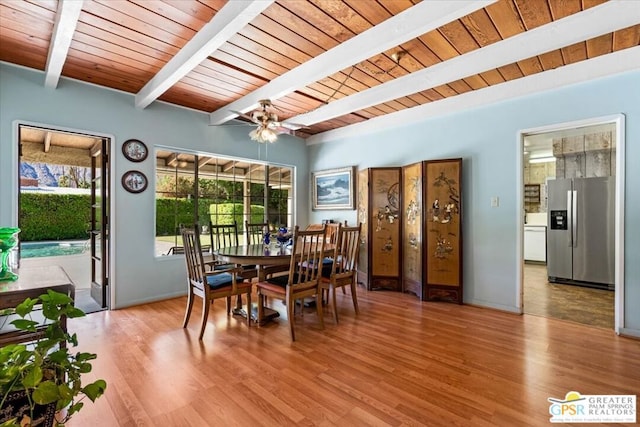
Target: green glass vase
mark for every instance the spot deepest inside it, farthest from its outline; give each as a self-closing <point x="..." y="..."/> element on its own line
<point x="8" y="240"/>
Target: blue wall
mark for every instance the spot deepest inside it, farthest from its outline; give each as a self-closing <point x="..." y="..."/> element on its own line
<point x="139" y="275"/>
<point x="487" y="139"/>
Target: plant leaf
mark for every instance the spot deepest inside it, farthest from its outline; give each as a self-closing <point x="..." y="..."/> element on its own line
<point x="46" y="392"/>
<point x="65" y="392"/>
<point x="56" y="298"/>
<point x="26" y="307"/>
<point x="95" y="389"/>
<point x="73" y="312"/>
<point x="32" y="377"/>
<point x="25" y="324"/>
<point x="83" y="357"/>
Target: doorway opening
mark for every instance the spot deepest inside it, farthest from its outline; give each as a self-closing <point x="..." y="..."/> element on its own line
<point x="63" y="200"/>
<point x="570" y="259"/>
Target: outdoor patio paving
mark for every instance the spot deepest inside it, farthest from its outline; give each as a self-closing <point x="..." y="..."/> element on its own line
<point x="78" y="268"/>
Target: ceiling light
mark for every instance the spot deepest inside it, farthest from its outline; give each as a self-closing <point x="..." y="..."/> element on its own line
<point x="542" y="159"/>
<point x="263" y="134"/>
<point x="397" y="56"/>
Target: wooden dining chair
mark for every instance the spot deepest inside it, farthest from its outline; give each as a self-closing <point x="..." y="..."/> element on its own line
<point x="209" y="285"/>
<point x="331" y="227"/>
<point x="254" y="232"/>
<point x="174" y="250"/>
<point x="223" y="236"/>
<point x="303" y="280"/>
<point x="343" y="271"/>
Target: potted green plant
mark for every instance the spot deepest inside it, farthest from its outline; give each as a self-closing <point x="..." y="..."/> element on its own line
<point x="40" y="381"/>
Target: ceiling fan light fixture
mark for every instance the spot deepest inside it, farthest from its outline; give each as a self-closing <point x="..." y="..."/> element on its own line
<point x="263" y="135"/>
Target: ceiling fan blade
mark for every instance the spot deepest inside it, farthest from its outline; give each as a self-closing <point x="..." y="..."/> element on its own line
<point x="244" y="116"/>
<point x="293" y="126"/>
<point x="227" y="124"/>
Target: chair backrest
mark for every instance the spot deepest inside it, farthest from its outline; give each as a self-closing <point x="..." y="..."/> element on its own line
<point x="196" y="269"/>
<point x="223" y="235"/>
<point x="174" y="250"/>
<point x="347" y="246"/>
<point x="331" y="227"/>
<point x="255" y="232"/>
<point x="306" y="260"/>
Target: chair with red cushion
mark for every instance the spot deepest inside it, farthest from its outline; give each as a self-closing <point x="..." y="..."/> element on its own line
<point x="303" y="280"/>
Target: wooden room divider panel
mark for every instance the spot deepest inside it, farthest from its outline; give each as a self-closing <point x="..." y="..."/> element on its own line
<point x="381" y="210"/>
<point x="443" y="249"/>
<point x="411" y="238"/>
<point x="413" y="228"/>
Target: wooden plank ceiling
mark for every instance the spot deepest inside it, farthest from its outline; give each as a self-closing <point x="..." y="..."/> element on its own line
<point x="128" y="45"/>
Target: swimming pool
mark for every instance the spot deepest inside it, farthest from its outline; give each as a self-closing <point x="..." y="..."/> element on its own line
<point x="40" y="249"/>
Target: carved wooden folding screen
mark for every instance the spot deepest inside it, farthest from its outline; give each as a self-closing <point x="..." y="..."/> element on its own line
<point x="379" y="206"/>
<point x="443" y="249"/>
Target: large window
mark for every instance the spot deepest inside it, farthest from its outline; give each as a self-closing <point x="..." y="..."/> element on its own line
<point x="202" y="190"/>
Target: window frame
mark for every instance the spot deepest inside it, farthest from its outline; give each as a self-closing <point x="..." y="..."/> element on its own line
<point x="187" y="169"/>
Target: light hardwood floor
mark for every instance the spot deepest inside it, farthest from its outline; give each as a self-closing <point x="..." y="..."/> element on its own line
<point x="589" y="306"/>
<point x="401" y="362"/>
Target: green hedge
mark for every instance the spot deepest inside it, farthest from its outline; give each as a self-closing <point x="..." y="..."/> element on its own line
<point x="170" y="213"/>
<point x="67" y="216"/>
<point x="54" y="217"/>
<point x="173" y="212"/>
<point x="228" y="212"/>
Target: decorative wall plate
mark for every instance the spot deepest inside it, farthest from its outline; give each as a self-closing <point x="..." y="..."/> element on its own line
<point x="134" y="181"/>
<point x="135" y="150"/>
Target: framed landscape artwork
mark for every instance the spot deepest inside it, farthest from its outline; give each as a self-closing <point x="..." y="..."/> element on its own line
<point x="333" y="189"/>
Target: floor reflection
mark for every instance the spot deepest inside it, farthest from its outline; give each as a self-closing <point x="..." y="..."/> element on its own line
<point x="588" y="306"/>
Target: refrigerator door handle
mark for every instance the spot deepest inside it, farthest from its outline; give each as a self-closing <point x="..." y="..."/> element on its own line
<point x="569" y="218"/>
<point x="574" y="219"/>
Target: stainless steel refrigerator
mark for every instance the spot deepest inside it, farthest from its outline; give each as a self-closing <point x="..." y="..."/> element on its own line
<point x="580" y="235"/>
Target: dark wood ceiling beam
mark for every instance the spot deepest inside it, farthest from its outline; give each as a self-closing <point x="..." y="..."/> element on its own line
<point x="203" y="160"/>
<point x="171" y="160"/>
<point x="230" y="165"/>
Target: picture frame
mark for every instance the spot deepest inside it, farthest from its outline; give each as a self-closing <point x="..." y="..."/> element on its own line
<point x="334" y="189"/>
<point x="135" y="150"/>
<point x="134" y="181"/>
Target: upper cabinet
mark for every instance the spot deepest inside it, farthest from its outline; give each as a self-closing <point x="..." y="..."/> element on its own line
<point x="532" y="193"/>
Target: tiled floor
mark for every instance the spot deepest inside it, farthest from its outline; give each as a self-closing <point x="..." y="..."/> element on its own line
<point x="76" y="266"/>
<point x="588" y="306"/>
<point x="78" y="269"/>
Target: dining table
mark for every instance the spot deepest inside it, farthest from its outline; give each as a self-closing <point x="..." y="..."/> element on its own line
<point x="258" y="255"/>
<point x="261" y="256"/>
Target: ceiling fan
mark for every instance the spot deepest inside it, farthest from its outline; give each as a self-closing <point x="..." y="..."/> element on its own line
<point x="268" y="126"/>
